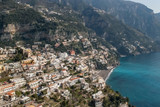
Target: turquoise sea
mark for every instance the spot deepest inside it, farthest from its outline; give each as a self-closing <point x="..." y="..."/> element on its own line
<point x="138" y="78"/>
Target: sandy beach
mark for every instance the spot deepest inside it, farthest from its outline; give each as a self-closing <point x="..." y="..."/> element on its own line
<point x="105" y="74"/>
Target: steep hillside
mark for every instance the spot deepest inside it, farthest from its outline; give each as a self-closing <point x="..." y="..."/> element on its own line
<point x="133" y="14"/>
<point x="127" y="40"/>
<point x="19" y="22"/>
<point x="56" y="25"/>
<point x="65" y="19"/>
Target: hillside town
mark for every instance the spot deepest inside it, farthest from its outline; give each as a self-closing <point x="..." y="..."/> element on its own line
<point x="44" y="73"/>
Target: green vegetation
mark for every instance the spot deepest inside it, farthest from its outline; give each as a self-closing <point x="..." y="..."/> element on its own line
<point x="143" y="19"/>
<point x="19" y="55"/>
<point x="113" y="98"/>
<point x="70" y="22"/>
<point x="116" y="33"/>
<point x="37" y="98"/>
<point x="18" y="93"/>
<point x="17" y="16"/>
<point x="4" y="78"/>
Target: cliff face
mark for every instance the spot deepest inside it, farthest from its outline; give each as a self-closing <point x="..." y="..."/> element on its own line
<point x="158" y="16"/>
<point x="133" y="14"/>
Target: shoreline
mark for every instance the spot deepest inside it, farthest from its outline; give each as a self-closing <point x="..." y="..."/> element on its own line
<point x="105" y="74"/>
<point x="109" y="74"/>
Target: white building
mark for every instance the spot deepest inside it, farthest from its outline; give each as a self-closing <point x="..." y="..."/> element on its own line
<point x="64" y="73"/>
<point x="6" y="88"/>
<point x="19" y="82"/>
<point x="34" y="84"/>
<point x="63" y="56"/>
<point x="52" y="87"/>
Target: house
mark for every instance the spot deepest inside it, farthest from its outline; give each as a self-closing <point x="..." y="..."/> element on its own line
<point x="1" y="50"/>
<point x="33" y="85"/>
<point x="98" y="98"/>
<point x="52" y="87"/>
<point x="84" y="86"/>
<point x="82" y="67"/>
<point x="69" y="59"/>
<point x="94" y="78"/>
<point x="101" y="83"/>
<point x="11" y="51"/>
<point x="73" y="81"/>
<point x="28" y="51"/>
<point x="24" y="100"/>
<point x="2" y="57"/>
<point x="75" y="61"/>
<point x="35" y="58"/>
<point x="54" y="77"/>
<point x="19" y="82"/>
<point x="81" y="74"/>
<point x="32" y="104"/>
<point x="37" y="43"/>
<point x="2" y="68"/>
<point x="65" y="43"/>
<point x="63" y="56"/>
<point x="9" y="96"/>
<point x="47" y="46"/>
<point x="1" y="62"/>
<point x="30" y="75"/>
<point x="64" y="73"/>
<point x="28" y="61"/>
<point x="72" y="52"/>
<point x="7" y="88"/>
<point x="66" y="94"/>
<point x="65" y="80"/>
<point x="57" y="45"/>
<point x="56" y="63"/>
<point x="34" y="47"/>
<point x="46" y="77"/>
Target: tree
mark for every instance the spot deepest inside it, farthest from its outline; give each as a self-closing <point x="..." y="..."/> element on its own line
<point x="18" y="93"/>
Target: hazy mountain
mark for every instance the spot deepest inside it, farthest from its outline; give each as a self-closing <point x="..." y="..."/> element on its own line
<point x="158" y="16"/>
<point x="133" y="14"/>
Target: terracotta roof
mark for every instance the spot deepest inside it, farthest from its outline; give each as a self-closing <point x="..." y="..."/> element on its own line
<point x="10" y="93"/>
<point x="51" y="85"/>
<point x="72" y="52"/>
<point x="33" y="81"/>
<point x="5" y="86"/>
<point x="53" y="76"/>
<point x="74" y="78"/>
<point x="35" y="87"/>
<point x="31" y="106"/>
<point x="39" y="55"/>
<point x="27" y="64"/>
<point x="63" y="70"/>
<point x="81" y="74"/>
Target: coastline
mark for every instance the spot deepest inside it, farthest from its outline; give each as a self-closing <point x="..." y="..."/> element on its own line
<point x="109" y="74"/>
<point x="105" y="74"/>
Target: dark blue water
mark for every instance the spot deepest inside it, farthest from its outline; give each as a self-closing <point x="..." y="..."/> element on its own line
<point x="139" y="79"/>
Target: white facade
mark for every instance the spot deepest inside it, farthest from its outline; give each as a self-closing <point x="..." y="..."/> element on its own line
<point x="19" y="82"/>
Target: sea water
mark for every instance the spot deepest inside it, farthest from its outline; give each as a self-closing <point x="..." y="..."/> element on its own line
<point x="138" y="78"/>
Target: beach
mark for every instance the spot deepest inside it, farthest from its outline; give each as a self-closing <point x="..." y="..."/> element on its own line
<point x="105" y="73"/>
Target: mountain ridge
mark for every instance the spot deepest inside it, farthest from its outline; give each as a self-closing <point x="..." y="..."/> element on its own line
<point x="133" y="14"/>
<point x="70" y="17"/>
